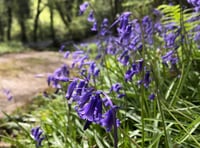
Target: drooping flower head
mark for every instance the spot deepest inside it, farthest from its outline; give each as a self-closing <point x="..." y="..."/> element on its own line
<point x="109" y="119"/>
<point x="83" y="7"/>
<point x="195" y="3"/>
<point x="91" y="16"/>
<point x="37" y="135"/>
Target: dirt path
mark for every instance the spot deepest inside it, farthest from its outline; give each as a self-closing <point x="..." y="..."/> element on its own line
<point x="18" y="74"/>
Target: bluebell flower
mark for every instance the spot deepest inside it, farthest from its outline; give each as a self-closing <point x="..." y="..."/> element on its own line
<point x="105" y="22"/>
<point x="140" y="65"/>
<point x="80" y="86"/>
<point x="71" y="89"/>
<point x="169" y="57"/>
<point x="85" y="97"/>
<point x="92" y="111"/>
<point x="123" y="21"/>
<point x="146" y="79"/>
<point x="61" y="48"/>
<point x="8" y="94"/>
<point x="152" y="96"/>
<point x="170" y="40"/>
<point x="129" y="74"/>
<point x="110" y="49"/>
<point x="116" y="87"/>
<point x="93" y="69"/>
<point x="94" y="27"/>
<point x="66" y="55"/>
<point x="195" y="3"/>
<point x="109" y="119"/>
<point x="37" y="135"/>
<point x="83" y="7"/>
<point x="91" y="16"/>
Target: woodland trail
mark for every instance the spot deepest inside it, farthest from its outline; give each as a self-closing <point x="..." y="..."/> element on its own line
<point x="19" y="74"/>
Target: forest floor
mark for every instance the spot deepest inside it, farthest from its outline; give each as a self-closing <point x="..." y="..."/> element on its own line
<point x="25" y="74"/>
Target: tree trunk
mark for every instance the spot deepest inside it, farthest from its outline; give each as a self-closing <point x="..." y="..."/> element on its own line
<point x="9" y="13"/>
<point x="52" y="24"/>
<point x="35" y="28"/>
<point x="1" y="29"/>
<point x="24" y="38"/>
<point x="62" y="14"/>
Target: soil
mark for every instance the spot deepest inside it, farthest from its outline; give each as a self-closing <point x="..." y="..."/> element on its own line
<point x="25" y="74"/>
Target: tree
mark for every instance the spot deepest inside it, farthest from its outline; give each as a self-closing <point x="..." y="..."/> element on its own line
<point x="22" y="13"/>
<point x="2" y="21"/>
<point x="36" y="19"/>
<point x="52" y="30"/>
<point x="8" y="4"/>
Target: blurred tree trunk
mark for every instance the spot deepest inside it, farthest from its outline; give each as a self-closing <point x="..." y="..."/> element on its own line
<point x="62" y="14"/>
<point x="9" y="18"/>
<point x="22" y="12"/>
<point x="52" y="30"/>
<point x="38" y="12"/>
<point x="22" y="24"/>
<point x="117" y="7"/>
<point x="1" y="29"/>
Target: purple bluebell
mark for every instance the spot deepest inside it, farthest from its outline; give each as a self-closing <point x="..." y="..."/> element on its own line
<point x="37" y="135"/>
<point x="170" y="40"/>
<point x="126" y="35"/>
<point x="123" y="21"/>
<point x="152" y="96"/>
<point x="129" y="74"/>
<point x="61" y="48"/>
<point x="80" y="86"/>
<point x="92" y="111"/>
<point x="197" y="37"/>
<point x="85" y="97"/>
<point x="66" y="54"/>
<point x="169" y="57"/>
<point x="122" y="56"/>
<point x="71" y="89"/>
<point x="8" y="94"/>
<point x="146" y="80"/>
<point x="83" y="7"/>
<point x="116" y="87"/>
<point x="135" y="68"/>
<point x="197" y="9"/>
<point x="140" y="65"/>
<point x="94" y="27"/>
<point x="91" y="16"/>
<point x="51" y="80"/>
<point x="148" y="29"/>
<point x="93" y="69"/>
<point x="110" y="49"/>
<point x="109" y="119"/>
<point x="105" y="22"/>
<point x="195" y="3"/>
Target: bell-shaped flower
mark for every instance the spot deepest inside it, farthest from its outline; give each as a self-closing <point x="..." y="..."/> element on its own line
<point x="91" y="16"/>
<point x="83" y="7"/>
<point x="109" y="119"/>
<point x="71" y="89"/>
<point x="37" y="135"/>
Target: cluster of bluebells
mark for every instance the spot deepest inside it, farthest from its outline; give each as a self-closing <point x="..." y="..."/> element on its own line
<point x="92" y="105"/>
<point x="133" y="37"/>
<point x="37" y="136"/>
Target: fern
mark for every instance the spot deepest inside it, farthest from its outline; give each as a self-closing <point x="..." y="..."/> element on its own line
<point x="174" y="14"/>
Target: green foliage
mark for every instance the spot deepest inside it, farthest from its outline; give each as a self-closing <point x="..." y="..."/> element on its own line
<point x="10" y="47"/>
<point x="172" y="119"/>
